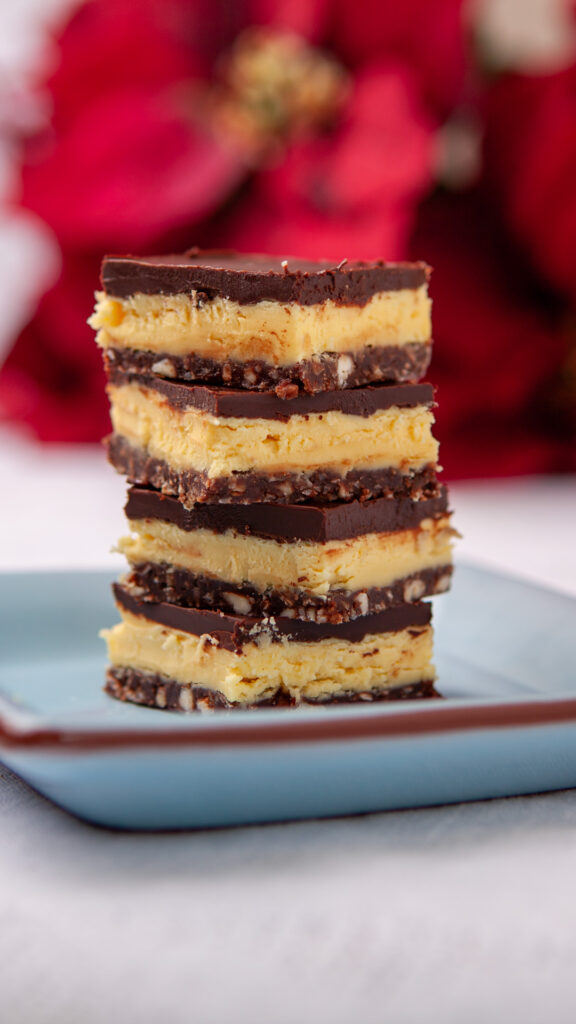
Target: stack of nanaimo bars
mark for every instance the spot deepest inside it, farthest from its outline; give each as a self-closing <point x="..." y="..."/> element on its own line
<point x="285" y="513"/>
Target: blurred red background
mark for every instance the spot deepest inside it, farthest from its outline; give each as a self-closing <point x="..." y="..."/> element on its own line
<point x="319" y="128"/>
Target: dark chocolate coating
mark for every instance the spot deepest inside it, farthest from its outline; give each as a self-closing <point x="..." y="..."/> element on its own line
<point x="248" y="279"/>
<point x="318" y="523"/>
<point x="228" y="402"/>
<point x="232" y="632"/>
<point x="156" y="691"/>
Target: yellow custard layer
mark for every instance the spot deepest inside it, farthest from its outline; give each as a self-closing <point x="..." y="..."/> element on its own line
<point x="278" y="334"/>
<point x="400" y="438"/>
<point x="312" y="671"/>
<point x="371" y="560"/>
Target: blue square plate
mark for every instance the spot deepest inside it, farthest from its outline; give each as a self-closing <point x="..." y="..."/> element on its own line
<point x="506" y="659"/>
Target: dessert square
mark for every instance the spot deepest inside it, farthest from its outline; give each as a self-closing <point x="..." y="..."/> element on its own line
<point x="285" y="512"/>
<point x="211" y="444"/>
<point x="168" y="656"/>
<point x="262" y="322"/>
<point x="323" y="563"/>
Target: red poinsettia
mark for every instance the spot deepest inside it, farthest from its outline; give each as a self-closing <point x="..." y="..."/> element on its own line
<point x="353" y="192"/>
<point x="311" y="128"/>
<point x="530" y="159"/>
<point x="170" y="128"/>
<point x="501" y="343"/>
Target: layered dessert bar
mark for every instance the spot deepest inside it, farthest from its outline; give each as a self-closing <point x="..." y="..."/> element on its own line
<point x="286" y="519"/>
<point x="168" y="656"/>
<point x="262" y="322"/>
<point x="321" y="563"/>
<point x="215" y="444"/>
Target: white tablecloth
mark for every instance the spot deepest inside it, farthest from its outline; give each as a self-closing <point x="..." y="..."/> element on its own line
<point x="450" y="915"/>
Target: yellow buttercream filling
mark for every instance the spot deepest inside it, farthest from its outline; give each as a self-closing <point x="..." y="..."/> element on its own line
<point x="305" y="670"/>
<point x="188" y="439"/>
<point x="371" y="560"/>
<point x="278" y="334"/>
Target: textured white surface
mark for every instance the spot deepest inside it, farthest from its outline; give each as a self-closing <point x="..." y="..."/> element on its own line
<point x="446" y="915"/>
<point x="450" y="915"/>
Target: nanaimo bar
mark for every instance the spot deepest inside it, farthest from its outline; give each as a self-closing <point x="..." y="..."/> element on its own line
<point x="323" y="563"/>
<point x="286" y="521"/>
<point x="168" y="656"/>
<point x="262" y="322"/>
<point x="202" y="443"/>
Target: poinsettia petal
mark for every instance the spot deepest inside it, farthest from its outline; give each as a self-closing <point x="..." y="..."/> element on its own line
<point x="52" y="379"/>
<point x="110" y="45"/>
<point x="530" y="159"/>
<point x="500" y="345"/>
<point x="133" y="166"/>
<point x="307" y="18"/>
<point x="351" y="192"/>
<point x="429" y="37"/>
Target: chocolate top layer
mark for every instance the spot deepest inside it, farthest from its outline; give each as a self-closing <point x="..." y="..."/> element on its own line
<point x="247" y="278"/>
<point x="234" y="631"/>
<point x="235" y="403"/>
<point x="317" y="523"/>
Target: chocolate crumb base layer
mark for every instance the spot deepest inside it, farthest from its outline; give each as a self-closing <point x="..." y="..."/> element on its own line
<point x="329" y="371"/>
<point x="285" y="523"/>
<point x="232" y="632"/>
<point x="250" y="278"/>
<point x="160" y="582"/>
<point x="156" y="691"/>
<point x="191" y="486"/>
